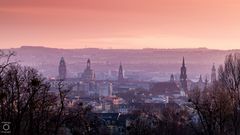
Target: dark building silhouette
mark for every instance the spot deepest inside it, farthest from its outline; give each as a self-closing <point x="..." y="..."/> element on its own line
<point x="206" y="83"/>
<point x="183" y="76"/>
<point x="213" y="74"/>
<point x="200" y="84"/>
<point x="62" y="69"/>
<point x="200" y="79"/>
<point x="88" y="74"/>
<point x="164" y="88"/>
<point x="120" y="73"/>
<point x="172" y="78"/>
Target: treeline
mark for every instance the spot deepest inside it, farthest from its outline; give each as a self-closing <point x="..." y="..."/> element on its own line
<point x="218" y="107"/>
<point x="27" y="103"/>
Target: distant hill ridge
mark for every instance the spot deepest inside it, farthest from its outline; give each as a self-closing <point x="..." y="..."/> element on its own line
<point x="170" y="49"/>
<point x="152" y="61"/>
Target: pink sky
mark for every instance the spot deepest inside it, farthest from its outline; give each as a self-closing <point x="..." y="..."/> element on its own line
<point x="120" y="23"/>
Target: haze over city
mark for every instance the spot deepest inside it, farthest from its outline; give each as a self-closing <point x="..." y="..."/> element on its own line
<point x="119" y="67"/>
<point x="121" y="24"/>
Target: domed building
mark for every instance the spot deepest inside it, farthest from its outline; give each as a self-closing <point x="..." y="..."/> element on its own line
<point x="88" y="74"/>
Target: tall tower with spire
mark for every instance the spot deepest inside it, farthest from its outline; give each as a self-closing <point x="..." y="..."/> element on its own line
<point x="88" y="64"/>
<point x="62" y="69"/>
<point x="213" y="74"/>
<point x="183" y="76"/>
<point x="200" y="79"/>
<point x="172" y="78"/>
<point x="120" y="73"/>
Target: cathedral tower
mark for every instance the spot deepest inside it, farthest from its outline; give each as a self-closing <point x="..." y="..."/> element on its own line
<point x="88" y="64"/>
<point x="62" y="69"/>
<point x="183" y="76"/>
<point x="172" y="78"/>
<point x="120" y="73"/>
<point x="200" y="79"/>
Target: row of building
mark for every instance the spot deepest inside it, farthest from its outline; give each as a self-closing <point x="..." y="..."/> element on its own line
<point x="114" y="101"/>
<point x="87" y="87"/>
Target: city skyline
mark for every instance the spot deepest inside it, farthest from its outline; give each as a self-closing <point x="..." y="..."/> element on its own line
<point x="120" y="24"/>
<point x="119" y="67"/>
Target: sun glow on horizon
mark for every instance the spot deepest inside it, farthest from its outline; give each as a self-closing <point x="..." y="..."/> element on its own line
<point x="130" y="24"/>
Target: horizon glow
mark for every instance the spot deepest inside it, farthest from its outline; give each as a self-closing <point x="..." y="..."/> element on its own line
<point x="126" y="24"/>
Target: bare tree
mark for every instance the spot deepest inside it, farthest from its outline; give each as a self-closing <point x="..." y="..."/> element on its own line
<point x="5" y="59"/>
<point x="27" y="103"/>
<point x="229" y="77"/>
<point x="213" y="108"/>
<point x="169" y="121"/>
<point x="63" y="91"/>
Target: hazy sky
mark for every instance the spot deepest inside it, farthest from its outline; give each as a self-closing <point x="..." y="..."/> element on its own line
<point x="120" y="23"/>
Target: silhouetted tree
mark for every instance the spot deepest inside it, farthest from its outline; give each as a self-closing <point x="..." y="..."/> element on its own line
<point x="169" y="121"/>
<point x="26" y="102"/>
<point x="229" y="78"/>
<point x="213" y="110"/>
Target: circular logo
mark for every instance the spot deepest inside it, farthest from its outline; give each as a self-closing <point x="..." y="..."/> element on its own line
<point x="6" y="127"/>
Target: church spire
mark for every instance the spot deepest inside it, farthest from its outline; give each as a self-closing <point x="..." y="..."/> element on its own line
<point x="206" y="83"/>
<point x="183" y="62"/>
<point x="172" y="78"/>
<point x="88" y="64"/>
<point x="183" y="76"/>
<point x="200" y="79"/>
<point x="120" y="73"/>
